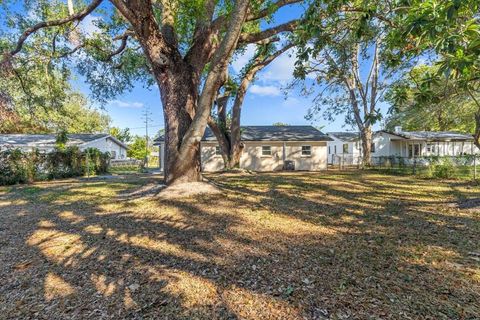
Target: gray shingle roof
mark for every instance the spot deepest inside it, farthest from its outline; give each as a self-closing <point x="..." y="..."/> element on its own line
<point x="48" y="140"/>
<point x="345" y="136"/>
<point x="272" y="133"/>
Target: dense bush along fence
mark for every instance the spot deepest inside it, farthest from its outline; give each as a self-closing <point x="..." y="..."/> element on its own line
<point x="464" y="166"/>
<point x="18" y="166"/>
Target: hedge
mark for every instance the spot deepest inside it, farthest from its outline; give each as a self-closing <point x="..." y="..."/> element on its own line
<point x="17" y="166"/>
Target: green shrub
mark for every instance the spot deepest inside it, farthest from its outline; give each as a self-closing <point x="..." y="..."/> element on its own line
<point x="17" y="166"/>
<point x="444" y="169"/>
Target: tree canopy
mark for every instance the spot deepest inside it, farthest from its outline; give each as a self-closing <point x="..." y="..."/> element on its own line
<point x="426" y="100"/>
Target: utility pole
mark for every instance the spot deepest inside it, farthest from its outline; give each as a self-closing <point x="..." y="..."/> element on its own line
<point x="147" y="118"/>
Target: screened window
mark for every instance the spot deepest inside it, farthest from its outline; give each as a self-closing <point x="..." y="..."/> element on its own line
<point x="306" y="150"/>
<point x="218" y="152"/>
<point x="329" y="151"/>
<point x="266" y="150"/>
<point x="345" y="148"/>
<point x="372" y="148"/>
<point x="335" y="149"/>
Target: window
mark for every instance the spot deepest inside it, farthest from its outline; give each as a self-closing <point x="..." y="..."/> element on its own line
<point x="306" y="150"/>
<point x="430" y="148"/>
<point x="266" y="150"/>
<point x="413" y="150"/>
<point x="335" y="149"/>
<point x="372" y="147"/>
<point x="329" y="150"/>
<point x="113" y="154"/>
<point x="218" y="152"/>
<point x="345" y="148"/>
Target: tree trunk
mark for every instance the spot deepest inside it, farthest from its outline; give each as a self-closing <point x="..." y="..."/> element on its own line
<point x="235" y="153"/>
<point x="366" y="135"/>
<point x="178" y="112"/>
<point x="476" y="136"/>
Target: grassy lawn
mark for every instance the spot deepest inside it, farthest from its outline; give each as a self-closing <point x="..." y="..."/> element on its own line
<point x="352" y="245"/>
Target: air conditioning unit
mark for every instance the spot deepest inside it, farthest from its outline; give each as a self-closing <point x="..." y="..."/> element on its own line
<point x="289" y="165"/>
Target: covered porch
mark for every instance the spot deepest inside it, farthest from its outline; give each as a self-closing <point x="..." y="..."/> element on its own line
<point x="411" y="148"/>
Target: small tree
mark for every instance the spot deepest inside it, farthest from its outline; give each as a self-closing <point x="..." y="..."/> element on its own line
<point x="138" y="148"/>
<point x="123" y="135"/>
<point x="61" y="140"/>
<point x="342" y="50"/>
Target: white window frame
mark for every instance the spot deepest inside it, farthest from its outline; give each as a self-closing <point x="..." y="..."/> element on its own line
<point x="309" y="154"/>
<point x="343" y="148"/>
<point x="218" y="151"/>
<point x="373" y="147"/>
<point x="269" y="153"/>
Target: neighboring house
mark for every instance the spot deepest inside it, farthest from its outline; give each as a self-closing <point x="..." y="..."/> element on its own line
<point x="267" y="148"/>
<point x="347" y="146"/>
<point x="47" y="142"/>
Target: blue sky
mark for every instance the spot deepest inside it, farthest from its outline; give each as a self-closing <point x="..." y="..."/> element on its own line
<point x="265" y="103"/>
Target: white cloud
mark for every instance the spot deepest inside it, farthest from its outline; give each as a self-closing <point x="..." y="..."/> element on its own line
<point x="240" y="60"/>
<point x="265" y="90"/>
<point x="126" y="104"/>
<point x="281" y="69"/>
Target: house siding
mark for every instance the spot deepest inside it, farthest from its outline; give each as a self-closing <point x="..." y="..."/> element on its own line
<point x="387" y="144"/>
<point x="252" y="158"/>
<point x="106" y="145"/>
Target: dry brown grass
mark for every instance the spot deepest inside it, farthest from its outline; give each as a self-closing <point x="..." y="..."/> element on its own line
<point x="326" y="245"/>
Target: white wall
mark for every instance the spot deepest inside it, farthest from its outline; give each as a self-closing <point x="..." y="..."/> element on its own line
<point x="252" y="158"/>
<point x="335" y="150"/>
<point x="210" y="161"/>
<point x="107" y="145"/>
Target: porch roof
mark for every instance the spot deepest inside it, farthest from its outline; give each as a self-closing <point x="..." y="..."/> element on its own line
<point x="432" y="135"/>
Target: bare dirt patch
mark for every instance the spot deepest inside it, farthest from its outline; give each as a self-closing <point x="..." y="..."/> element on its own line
<point x="191" y="189"/>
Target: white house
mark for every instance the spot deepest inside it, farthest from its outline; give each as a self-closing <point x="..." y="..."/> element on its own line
<point x="346" y="146"/>
<point x="267" y="148"/>
<point x="47" y="142"/>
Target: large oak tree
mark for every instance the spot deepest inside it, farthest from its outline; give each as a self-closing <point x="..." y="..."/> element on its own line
<point x="183" y="47"/>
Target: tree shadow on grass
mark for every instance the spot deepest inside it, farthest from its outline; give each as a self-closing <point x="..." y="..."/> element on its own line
<point x="269" y="247"/>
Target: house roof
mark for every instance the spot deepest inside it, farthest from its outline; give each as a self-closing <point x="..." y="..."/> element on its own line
<point x="49" y="140"/>
<point x="409" y="135"/>
<point x="432" y="135"/>
<point x="271" y="133"/>
<point x="345" y="136"/>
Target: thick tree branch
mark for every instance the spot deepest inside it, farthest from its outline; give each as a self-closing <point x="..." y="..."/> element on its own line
<point x="53" y="23"/>
<point x="262" y="35"/>
<point x="215" y="77"/>
<point x="123" y="37"/>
